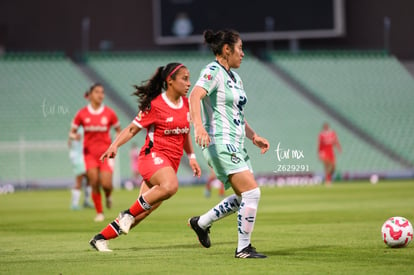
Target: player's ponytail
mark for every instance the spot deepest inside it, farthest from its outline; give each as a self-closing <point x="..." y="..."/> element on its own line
<point x="209" y="36"/>
<point x="217" y="40"/>
<point x="151" y="88"/>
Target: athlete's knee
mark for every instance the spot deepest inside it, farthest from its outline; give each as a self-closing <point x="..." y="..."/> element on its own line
<point x="252" y="194"/>
<point x="107" y="185"/>
<point x="94" y="185"/>
<point x="171" y="189"/>
<point x="168" y="189"/>
<point x="92" y="179"/>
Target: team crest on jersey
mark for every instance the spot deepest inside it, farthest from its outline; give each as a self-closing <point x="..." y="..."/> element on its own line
<point x="207" y="76"/>
<point x="87" y="120"/>
<point x="139" y="116"/>
<point x="104" y="120"/>
<point x="158" y="160"/>
<point x="235" y="159"/>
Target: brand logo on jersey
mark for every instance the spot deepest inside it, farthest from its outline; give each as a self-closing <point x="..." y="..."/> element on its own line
<point x="104" y="120"/>
<point x="87" y="120"/>
<point x="207" y="76"/>
<point x="158" y="160"/>
<point x="231" y="86"/>
<point x="96" y="128"/>
<point x="213" y="67"/>
<point x="177" y="131"/>
<point x="169" y="119"/>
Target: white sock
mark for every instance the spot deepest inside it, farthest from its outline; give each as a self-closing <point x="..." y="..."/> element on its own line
<point x="227" y="206"/>
<point x="75" y="197"/>
<point x="247" y="216"/>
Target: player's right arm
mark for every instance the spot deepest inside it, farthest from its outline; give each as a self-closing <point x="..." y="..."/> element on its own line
<point x="200" y="134"/>
<point x="125" y="135"/>
<point x="73" y="135"/>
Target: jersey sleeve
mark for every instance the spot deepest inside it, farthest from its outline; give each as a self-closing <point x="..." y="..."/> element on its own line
<point x="209" y="79"/>
<point x="145" y="118"/>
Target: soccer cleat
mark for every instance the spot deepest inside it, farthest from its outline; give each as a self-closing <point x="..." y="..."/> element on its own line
<point x="125" y="221"/>
<point x="99" y="217"/>
<point x="202" y="234"/>
<point x="100" y="245"/>
<point x="249" y="252"/>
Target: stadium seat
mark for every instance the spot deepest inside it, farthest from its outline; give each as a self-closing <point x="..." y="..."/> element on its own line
<point x="370" y="89"/>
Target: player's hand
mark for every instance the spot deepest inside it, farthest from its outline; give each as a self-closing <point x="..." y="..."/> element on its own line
<point x="201" y="136"/>
<point x="195" y="167"/>
<point x="75" y="136"/>
<point x="262" y="143"/>
<point x="109" y="153"/>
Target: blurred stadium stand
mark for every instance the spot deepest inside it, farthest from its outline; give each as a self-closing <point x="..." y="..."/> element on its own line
<point x="372" y="90"/>
<point x="123" y="70"/>
<point x="42" y="93"/>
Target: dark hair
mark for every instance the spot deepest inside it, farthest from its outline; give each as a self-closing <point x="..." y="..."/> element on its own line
<point x="88" y="92"/>
<point x="151" y="88"/>
<point x="217" y="40"/>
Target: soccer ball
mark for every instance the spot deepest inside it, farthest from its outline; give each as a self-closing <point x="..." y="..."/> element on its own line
<point x="397" y="232"/>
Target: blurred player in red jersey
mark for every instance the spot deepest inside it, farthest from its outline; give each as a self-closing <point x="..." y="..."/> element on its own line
<point x="327" y="141"/>
<point x="96" y="120"/>
<point x="166" y="117"/>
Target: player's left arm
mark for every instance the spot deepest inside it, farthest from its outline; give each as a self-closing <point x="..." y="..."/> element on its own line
<point x="188" y="148"/>
<point x="257" y="140"/>
<point x="117" y="130"/>
<point x="116" y="124"/>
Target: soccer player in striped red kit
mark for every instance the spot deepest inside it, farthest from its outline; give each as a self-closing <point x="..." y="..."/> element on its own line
<point x="327" y="140"/>
<point x="166" y="117"/>
<point x="96" y="120"/>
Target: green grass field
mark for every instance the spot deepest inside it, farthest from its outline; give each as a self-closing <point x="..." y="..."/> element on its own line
<point x="303" y="230"/>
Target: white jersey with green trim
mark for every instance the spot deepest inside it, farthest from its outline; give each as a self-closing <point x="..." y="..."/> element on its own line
<point x="223" y="106"/>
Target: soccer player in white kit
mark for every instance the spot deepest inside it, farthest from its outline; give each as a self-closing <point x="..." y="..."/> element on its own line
<point x="221" y="93"/>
